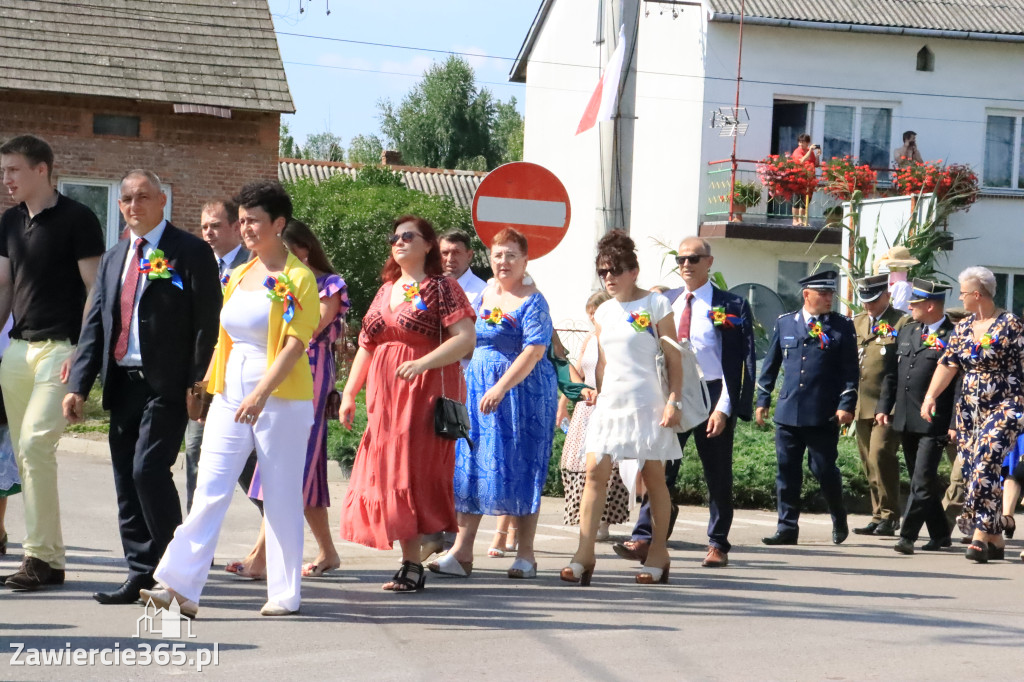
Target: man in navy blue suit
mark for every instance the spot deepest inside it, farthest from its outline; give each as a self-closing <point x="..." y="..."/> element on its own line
<point x="720" y="329"/>
<point x="817" y="351"/>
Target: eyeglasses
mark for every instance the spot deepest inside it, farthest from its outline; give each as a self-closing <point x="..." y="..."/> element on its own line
<point x="604" y="272"/>
<point x="968" y="293"/>
<point x="406" y="237"/>
<point x="692" y="260"/>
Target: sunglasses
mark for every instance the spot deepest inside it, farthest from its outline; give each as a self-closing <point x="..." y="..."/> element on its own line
<point x="604" y="272"/>
<point x="692" y="260"/>
<point x="406" y="237"/>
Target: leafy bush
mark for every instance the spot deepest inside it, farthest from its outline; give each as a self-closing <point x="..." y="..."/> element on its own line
<point x="352" y="218"/>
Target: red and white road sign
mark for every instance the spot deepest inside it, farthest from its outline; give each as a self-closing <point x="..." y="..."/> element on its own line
<point x="524" y="196"/>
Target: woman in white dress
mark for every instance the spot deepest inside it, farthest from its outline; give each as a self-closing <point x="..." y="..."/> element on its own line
<point x="632" y="423"/>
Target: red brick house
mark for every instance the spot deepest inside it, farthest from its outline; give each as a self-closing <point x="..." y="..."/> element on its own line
<point x="191" y="90"/>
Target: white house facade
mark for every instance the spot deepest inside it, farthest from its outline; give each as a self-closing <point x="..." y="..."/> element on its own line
<point x="854" y="79"/>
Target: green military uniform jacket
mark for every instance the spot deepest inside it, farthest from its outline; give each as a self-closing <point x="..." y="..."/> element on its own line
<point x="876" y="356"/>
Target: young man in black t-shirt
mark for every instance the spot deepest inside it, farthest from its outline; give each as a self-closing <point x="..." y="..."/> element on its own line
<point x="50" y="248"/>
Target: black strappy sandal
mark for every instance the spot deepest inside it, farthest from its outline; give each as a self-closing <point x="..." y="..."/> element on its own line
<point x="409" y="578"/>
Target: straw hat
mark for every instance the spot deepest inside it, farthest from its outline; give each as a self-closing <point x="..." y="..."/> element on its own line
<point x="896" y="257"/>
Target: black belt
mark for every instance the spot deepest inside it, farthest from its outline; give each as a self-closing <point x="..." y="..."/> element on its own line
<point x="134" y="374"/>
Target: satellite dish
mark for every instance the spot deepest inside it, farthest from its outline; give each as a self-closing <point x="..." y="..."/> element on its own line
<point x="766" y="305"/>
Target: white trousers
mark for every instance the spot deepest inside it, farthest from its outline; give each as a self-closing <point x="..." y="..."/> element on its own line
<point x="280" y="436"/>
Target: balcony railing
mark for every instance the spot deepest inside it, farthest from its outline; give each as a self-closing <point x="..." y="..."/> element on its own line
<point x="822" y="209"/>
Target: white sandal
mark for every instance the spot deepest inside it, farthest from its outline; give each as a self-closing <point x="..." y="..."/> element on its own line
<point x="449" y="565"/>
<point x="521" y="569"/>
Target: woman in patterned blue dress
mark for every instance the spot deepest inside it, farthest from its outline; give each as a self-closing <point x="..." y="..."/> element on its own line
<point x="988" y="345"/>
<point x="512" y="399"/>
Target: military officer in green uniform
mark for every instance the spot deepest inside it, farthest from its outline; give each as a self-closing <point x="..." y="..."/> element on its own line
<point x="877" y="327"/>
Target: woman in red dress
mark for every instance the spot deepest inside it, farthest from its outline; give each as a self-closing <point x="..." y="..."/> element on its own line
<point x="401" y="483"/>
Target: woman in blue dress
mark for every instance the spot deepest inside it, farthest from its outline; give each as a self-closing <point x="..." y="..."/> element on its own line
<point x="512" y="399"/>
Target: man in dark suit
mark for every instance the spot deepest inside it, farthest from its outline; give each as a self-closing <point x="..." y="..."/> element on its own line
<point x="877" y="327"/>
<point x="220" y="229"/>
<point x="817" y="351"/>
<point x="919" y="346"/>
<point x="149" y="335"/>
<point x="719" y="326"/>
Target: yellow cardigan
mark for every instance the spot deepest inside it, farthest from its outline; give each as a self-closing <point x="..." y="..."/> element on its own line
<point x="298" y="385"/>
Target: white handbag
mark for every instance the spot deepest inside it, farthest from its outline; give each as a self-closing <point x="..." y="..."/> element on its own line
<point x="696" y="399"/>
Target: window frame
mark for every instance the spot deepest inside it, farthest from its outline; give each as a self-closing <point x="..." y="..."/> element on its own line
<point x="1016" y="151"/>
<point x="112" y="229"/>
<point x="1011" y="275"/>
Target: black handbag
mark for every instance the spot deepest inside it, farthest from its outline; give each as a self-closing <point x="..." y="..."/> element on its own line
<point x="451" y="419"/>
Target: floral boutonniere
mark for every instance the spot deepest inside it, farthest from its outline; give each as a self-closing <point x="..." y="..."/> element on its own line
<point x="412" y="295"/>
<point x="933" y="341"/>
<point x="495" y="317"/>
<point x="156" y="266"/>
<point x="279" y="289"/>
<point x="987" y="341"/>
<point x="224" y="279"/>
<point x="720" y="318"/>
<point x="816" y="332"/>
<point x="640" y="321"/>
<point x="883" y="330"/>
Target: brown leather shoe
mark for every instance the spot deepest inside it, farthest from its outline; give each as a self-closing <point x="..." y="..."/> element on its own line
<point x="716" y="558"/>
<point x="34" y="574"/>
<point x="633" y="550"/>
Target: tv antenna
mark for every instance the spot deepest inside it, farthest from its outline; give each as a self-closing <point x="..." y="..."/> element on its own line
<point x="731" y="121"/>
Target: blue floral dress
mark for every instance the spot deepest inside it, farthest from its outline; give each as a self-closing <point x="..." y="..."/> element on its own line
<point x="505" y="470"/>
<point x="989" y="414"/>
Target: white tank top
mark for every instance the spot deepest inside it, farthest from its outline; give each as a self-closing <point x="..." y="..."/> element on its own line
<point x="246" y="319"/>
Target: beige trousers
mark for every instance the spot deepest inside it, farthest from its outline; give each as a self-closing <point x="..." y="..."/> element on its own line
<point x="879" y="455"/>
<point x="33" y="393"/>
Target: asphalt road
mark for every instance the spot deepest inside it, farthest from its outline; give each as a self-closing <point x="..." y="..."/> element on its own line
<point x="854" y="612"/>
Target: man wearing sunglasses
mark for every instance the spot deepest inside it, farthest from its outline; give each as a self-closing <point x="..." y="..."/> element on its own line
<point x="724" y="345"/>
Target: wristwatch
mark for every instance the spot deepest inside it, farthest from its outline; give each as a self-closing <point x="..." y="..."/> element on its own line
<point x="678" y="404"/>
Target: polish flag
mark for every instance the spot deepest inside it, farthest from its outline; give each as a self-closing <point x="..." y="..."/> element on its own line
<point x="603" y="102"/>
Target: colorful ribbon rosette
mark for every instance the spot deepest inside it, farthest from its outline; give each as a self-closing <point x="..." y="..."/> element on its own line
<point x="279" y="289"/>
<point x="225" y="278"/>
<point x="720" y="318"/>
<point x="816" y="332"/>
<point x="412" y="295"/>
<point x="933" y="341"/>
<point x="883" y="330"/>
<point x="640" y="321"/>
<point x="495" y="316"/>
<point x="987" y="341"/>
<point x="156" y="266"/>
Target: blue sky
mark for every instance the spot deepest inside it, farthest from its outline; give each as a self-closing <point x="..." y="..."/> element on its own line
<point x="334" y="84"/>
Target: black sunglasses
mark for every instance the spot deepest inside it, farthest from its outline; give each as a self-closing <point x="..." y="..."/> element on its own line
<point x="406" y="237"/>
<point x="604" y="272"/>
<point x="692" y="260"/>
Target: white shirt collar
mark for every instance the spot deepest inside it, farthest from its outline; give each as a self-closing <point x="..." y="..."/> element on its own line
<point x="469" y="281"/>
<point x="152" y="237"/>
<point x="934" y="327"/>
<point x="703" y="292"/>
<point x="807" y="316"/>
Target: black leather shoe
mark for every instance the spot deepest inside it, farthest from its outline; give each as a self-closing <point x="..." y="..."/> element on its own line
<point x="934" y="545"/>
<point x="34" y="574"/>
<point x="128" y="592"/>
<point x="965" y="540"/>
<point x="782" y="537"/>
<point x="887" y="528"/>
<point x="904" y="546"/>
<point x="866" y="530"/>
<point x="840" y="531"/>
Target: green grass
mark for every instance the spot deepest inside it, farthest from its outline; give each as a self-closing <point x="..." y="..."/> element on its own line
<point x="96" y="420"/>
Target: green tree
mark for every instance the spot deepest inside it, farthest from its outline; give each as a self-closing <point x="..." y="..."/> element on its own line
<point x="508" y="132"/>
<point x="352" y="218"/>
<point x="325" y="146"/>
<point x="365" y="149"/>
<point x="445" y="121"/>
<point x="286" y="147"/>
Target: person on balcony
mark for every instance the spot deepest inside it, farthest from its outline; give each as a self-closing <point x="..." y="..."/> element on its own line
<point x="804" y="153"/>
<point x="908" y="153"/>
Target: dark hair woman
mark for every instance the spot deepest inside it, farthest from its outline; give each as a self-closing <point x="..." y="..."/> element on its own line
<point x="416" y="329"/>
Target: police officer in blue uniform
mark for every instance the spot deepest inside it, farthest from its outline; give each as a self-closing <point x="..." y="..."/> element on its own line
<point x="817" y="351"/>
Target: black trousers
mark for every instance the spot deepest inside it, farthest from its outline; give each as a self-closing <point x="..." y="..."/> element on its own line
<point x="922" y="454"/>
<point x="146" y="431"/>
<point x="821" y="444"/>
<point x="716" y="459"/>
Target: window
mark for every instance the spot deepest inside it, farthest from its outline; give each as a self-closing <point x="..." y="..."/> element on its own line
<point x="925" y="59"/>
<point x="101" y="196"/>
<point x="859" y="131"/>
<point x="110" y="124"/>
<point x="1004" y="152"/>
<point x="1010" y="291"/>
<point x="790" y="274"/>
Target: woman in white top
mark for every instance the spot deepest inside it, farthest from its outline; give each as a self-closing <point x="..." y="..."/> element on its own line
<point x="633" y="422"/>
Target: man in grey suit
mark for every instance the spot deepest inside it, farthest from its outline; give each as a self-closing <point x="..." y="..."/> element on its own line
<point x="220" y="229"/>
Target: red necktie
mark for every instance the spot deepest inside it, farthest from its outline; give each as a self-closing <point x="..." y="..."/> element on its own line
<point x="128" y="290"/>
<point x="684" y="319"/>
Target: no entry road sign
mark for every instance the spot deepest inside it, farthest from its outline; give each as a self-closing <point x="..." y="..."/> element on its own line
<point x="527" y="197"/>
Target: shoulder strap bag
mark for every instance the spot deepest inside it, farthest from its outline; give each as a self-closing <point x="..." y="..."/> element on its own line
<point x="451" y="419"/>
<point x="695" y="398"/>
